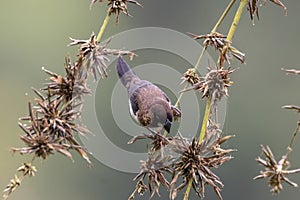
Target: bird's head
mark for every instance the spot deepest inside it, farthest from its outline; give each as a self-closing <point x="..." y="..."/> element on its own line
<point x="160" y="114"/>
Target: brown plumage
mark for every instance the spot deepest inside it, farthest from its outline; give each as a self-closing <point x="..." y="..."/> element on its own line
<point x="148" y="104"/>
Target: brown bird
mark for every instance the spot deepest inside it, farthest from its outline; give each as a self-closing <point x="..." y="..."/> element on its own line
<point x="148" y="104"/>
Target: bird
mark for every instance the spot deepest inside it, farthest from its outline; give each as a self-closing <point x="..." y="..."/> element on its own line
<point x="148" y="104"/>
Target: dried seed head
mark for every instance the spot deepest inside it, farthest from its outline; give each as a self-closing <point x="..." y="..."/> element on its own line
<point x="117" y="6"/>
<point x="221" y="44"/>
<point x="71" y="87"/>
<point x="50" y="128"/>
<point x="158" y="141"/>
<point x="253" y="5"/>
<point x="12" y="186"/>
<point x="95" y="55"/>
<point x="191" y="76"/>
<point x="196" y="161"/>
<point x="275" y="171"/>
<point x="152" y="170"/>
<point x="215" y="84"/>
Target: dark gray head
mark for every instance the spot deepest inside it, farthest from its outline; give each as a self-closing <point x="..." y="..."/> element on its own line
<point x="161" y="114"/>
<point x="124" y="72"/>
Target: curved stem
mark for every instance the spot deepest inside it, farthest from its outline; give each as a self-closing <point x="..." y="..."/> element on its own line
<point x="103" y="27"/>
<point x="293" y="138"/>
<point x="223" y="16"/>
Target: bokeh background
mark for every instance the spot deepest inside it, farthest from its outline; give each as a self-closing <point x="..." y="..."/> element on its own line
<point x="35" y="33"/>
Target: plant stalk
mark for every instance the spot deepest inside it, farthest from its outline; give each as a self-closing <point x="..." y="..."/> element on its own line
<point x="293" y="138"/>
<point x="205" y="120"/>
<point x="103" y="27"/>
<point x="188" y="189"/>
<point x="223" y="16"/>
<point x="208" y="103"/>
<point x="236" y="19"/>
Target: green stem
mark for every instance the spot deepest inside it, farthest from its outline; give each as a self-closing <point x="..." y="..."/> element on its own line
<point x="223" y="16"/>
<point x="200" y="57"/>
<point x="236" y="19"/>
<point x="209" y="101"/>
<point x="232" y="28"/>
<point x="188" y="189"/>
<point x="181" y="94"/>
<point x="205" y="120"/>
<point x="103" y="27"/>
<point x="204" y="49"/>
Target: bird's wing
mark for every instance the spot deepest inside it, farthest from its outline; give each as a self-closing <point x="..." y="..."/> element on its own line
<point x="134" y="107"/>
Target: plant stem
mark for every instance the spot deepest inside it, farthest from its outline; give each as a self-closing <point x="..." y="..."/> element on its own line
<point x="236" y="19"/>
<point x="208" y="103"/>
<point x="103" y="27"/>
<point x="188" y="189"/>
<point x="232" y="29"/>
<point x="223" y="16"/>
<point x="293" y="138"/>
<point x="220" y="20"/>
<point x="205" y="120"/>
<point x="186" y="86"/>
<point x="195" y="67"/>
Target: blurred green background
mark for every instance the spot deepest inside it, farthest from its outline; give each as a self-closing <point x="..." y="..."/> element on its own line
<point x="35" y="34"/>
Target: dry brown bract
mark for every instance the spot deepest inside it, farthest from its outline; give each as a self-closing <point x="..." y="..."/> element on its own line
<point x="72" y="86"/>
<point x="117" y="6"/>
<point x="252" y="7"/>
<point x="215" y="84"/>
<point x="191" y="76"/>
<point x="153" y="170"/>
<point x="50" y="127"/>
<point x="196" y="161"/>
<point x="275" y="171"/>
<point x="291" y="71"/>
<point x="95" y="55"/>
<point x="220" y="43"/>
<point x="158" y="141"/>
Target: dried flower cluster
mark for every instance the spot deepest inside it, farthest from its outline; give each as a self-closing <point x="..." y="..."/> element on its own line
<point x="193" y="160"/>
<point x="191" y="76"/>
<point x="53" y="121"/>
<point x="275" y="171"/>
<point x="220" y="43"/>
<point x="252" y="7"/>
<point x="117" y="6"/>
<point x="214" y="84"/>
<point x="25" y="169"/>
<point x="152" y="170"/>
<point x="95" y="55"/>
<point x="196" y="163"/>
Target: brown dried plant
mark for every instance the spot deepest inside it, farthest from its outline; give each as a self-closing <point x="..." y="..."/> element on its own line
<point x="253" y="5"/>
<point x="173" y="162"/>
<point x="116" y="7"/>
<point x="275" y="171"/>
<point x="53" y="122"/>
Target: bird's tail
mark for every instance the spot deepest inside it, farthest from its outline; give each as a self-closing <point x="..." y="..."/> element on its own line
<point x="124" y="72"/>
